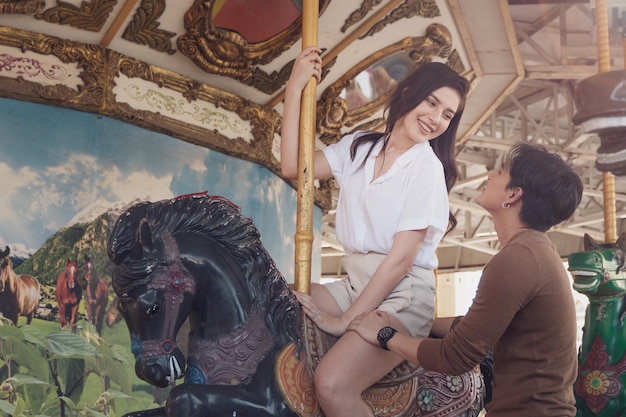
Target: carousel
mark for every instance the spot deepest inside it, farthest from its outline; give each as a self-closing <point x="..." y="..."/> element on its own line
<point x="212" y="75"/>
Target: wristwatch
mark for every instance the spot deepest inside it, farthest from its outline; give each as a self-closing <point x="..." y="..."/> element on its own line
<point x="384" y="335"/>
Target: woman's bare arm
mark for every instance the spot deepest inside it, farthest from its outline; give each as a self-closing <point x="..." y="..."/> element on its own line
<point x="307" y="65"/>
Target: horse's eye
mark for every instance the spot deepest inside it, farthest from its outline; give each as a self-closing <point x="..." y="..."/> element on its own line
<point x="153" y="310"/>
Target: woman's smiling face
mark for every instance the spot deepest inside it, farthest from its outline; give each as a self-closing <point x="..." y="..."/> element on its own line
<point x="429" y="119"/>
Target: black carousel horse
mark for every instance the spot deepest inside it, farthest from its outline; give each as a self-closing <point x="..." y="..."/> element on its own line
<point x="250" y="349"/>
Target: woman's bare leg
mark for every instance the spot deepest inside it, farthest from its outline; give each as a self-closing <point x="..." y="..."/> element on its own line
<point x="324" y="300"/>
<point x="341" y="377"/>
<point x="346" y="370"/>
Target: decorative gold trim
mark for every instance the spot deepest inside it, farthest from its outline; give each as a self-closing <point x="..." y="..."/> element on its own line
<point x="89" y="59"/>
<point x="377" y="124"/>
<point x="359" y="14"/>
<point x="89" y="16"/>
<point x="100" y="69"/>
<point x="408" y="9"/>
<point x="144" y="28"/>
<point x="21" y="6"/>
<point x="225" y="52"/>
<point x="332" y="110"/>
<point x="455" y="62"/>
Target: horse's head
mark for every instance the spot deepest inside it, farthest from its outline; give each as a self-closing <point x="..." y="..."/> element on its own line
<point x="154" y="313"/>
<point x="71" y="274"/>
<point x="5" y="268"/>
<point x="155" y="292"/>
<point x="89" y="271"/>
<point x="193" y="254"/>
<point x="599" y="270"/>
<point x="113" y="314"/>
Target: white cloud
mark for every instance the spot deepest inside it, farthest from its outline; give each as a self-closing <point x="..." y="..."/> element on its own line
<point x="19" y="192"/>
<point x="139" y="184"/>
<point x="39" y="200"/>
<point x="12" y="181"/>
<point x="197" y="164"/>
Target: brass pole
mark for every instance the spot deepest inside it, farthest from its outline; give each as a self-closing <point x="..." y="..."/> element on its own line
<point x="304" y="221"/>
<point x="345" y="42"/>
<point x="604" y="64"/>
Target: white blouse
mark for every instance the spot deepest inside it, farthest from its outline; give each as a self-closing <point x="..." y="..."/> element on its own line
<point x="411" y="195"/>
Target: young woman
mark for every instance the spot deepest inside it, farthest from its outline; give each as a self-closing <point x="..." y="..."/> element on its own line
<point x="391" y="214"/>
<point x="523" y="307"/>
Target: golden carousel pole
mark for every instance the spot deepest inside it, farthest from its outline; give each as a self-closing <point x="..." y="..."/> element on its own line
<point x="304" y="222"/>
<point x="604" y="64"/>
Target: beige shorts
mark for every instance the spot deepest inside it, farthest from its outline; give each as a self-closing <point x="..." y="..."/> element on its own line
<point x="412" y="301"/>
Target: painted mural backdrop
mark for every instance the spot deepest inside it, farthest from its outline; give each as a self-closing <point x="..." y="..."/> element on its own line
<point x="61" y="167"/>
<point x="65" y="178"/>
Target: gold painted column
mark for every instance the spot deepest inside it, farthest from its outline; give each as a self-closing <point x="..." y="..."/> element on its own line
<point x="304" y="222"/>
<point x="604" y="64"/>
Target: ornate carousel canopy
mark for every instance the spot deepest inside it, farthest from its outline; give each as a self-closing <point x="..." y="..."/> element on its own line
<point x="213" y="73"/>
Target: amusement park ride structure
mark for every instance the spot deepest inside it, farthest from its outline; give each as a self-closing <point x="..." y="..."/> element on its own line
<point x="525" y="59"/>
<point x="542" y="71"/>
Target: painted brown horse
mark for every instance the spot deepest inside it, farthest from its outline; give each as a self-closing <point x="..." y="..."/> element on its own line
<point x="19" y="294"/>
<point x="68" y="294"/>
<point x="97" y="294"/>
<point x="113" y="314"/>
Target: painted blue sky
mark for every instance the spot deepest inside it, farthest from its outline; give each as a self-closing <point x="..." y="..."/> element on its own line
<point x="57" y="164"/>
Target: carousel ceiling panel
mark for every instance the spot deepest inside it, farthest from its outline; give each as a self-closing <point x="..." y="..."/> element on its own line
<point x="223" y="43"/>
<point x="523" y="58"/>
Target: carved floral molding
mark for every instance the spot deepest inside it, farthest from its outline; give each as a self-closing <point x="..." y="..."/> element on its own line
<point x="225" y="52"/>
<point x="43" y="69"/>
<point x="29" y="7"/>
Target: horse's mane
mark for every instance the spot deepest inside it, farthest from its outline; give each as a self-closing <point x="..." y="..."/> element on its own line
<point x="7" y="263"/>
<point x="6" y="269"/>
<point x="219" y="219"/>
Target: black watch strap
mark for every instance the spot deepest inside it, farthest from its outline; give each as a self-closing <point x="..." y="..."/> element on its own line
<point x="384" y="335"/>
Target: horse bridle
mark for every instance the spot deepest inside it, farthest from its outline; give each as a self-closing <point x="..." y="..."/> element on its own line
<point x="176" y="281"/>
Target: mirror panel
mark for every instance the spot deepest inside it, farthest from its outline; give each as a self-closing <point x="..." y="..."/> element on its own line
<point x="377" y="80"/>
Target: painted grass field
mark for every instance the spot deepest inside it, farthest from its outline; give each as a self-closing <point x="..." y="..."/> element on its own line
<point x="142" y="395"/>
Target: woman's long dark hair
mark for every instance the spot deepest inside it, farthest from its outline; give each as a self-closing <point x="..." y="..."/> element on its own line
<point x="408" y="94"/>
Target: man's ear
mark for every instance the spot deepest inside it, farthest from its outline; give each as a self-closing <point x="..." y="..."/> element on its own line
<point x="515" y="194"/>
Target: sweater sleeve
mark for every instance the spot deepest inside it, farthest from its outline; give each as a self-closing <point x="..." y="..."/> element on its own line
<point x="501" y="293"/>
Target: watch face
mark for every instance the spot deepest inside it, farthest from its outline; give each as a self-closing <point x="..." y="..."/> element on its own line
<point x="385" y="333"/>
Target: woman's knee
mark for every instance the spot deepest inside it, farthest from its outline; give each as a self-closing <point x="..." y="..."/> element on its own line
<point x="327" y="387"/>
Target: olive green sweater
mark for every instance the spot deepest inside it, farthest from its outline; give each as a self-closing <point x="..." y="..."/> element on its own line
<point x="525" y="310"/>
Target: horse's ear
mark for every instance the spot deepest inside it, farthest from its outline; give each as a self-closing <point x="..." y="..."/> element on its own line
<point x="589" y="242"/>
<point x="145" y="236"/>
<point x="621" y="241"/>
<point x="6" y="252"/>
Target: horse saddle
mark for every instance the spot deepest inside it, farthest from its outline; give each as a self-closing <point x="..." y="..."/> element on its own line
<point x="408" y="390"/>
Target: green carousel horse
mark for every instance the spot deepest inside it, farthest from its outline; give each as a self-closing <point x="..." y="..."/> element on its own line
<point x="599" y="273"/>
